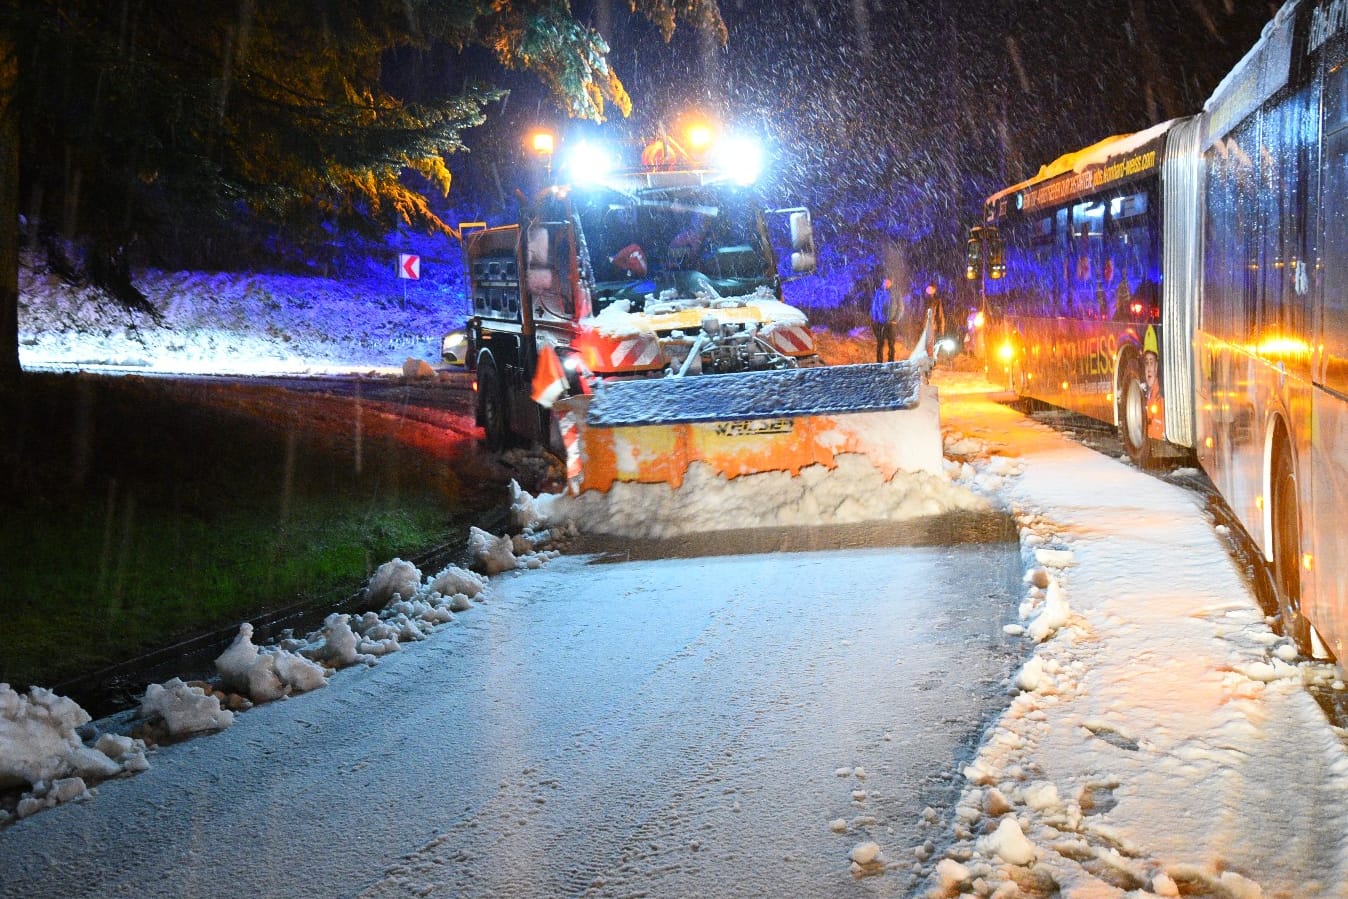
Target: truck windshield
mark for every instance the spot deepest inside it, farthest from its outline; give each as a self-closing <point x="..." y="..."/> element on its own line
<point x="673" y="243"/>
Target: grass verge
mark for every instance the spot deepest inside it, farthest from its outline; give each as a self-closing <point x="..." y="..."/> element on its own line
<point x="139" y="512"/>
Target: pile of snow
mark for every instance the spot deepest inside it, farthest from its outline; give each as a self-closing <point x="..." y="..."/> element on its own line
<point x="47" y="744"/>
<point x="264" y="676"/>
<point x="855" y="491"/>
<point x="413" y="606"/>
<point x="184" y="709"/>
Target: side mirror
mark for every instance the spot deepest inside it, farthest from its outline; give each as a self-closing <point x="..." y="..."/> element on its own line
<point x="802" y="242"/>
<point x="973" y="259"/>
<point x="538" y="273"/>
<point x="996" y="255"/>
<point x="985" y="242"/>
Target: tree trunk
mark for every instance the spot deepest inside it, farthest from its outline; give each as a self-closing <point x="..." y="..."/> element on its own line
<point x="9" y="208"/>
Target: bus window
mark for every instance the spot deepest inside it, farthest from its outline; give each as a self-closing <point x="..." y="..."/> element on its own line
<point x="1334" y="317"/>
<point x="1292" y="246"/>
<point x="1088" y="222"/>
<point x="1231" y="262"/>
<point x="1128" y="206"/>
<point x="1132" y="263"/>
<point x="1272" y="195"/>
<point x="1062" y="276"/>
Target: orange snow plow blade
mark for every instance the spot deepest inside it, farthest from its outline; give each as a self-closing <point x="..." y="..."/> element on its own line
<point x="652" y="431"/>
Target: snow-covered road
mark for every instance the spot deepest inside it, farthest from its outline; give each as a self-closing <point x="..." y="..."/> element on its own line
<point x="729" y="725"/>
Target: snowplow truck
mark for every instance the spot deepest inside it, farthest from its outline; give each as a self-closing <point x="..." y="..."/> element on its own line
<point x="632" y="321"/>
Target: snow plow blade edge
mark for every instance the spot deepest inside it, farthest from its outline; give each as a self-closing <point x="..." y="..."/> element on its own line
<point x="651" y="431"/>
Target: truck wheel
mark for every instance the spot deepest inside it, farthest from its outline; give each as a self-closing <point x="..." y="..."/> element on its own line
<point x="492" y="410"/>
<point x="1132" y="411"/>
<point x="1287" y="553"/>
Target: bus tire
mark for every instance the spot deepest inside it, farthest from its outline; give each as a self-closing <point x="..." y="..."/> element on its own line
<point x="1132" y="412"/>
<point x="1286" y="537"/>
<point x="492" y="409"/>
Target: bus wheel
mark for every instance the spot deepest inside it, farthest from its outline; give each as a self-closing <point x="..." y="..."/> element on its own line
<point x="1132" y="403"/>
<point x="492" y="409"/>
<point x="1287" y="554"/>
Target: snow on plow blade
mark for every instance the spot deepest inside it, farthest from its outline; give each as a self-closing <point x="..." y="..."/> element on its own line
<point x="652" y="431"/>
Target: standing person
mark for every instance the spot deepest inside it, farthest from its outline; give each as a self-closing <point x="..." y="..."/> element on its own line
<point x="884" y="320"/>
<point x="936" y="305"/>
<point x="934" y="314"/>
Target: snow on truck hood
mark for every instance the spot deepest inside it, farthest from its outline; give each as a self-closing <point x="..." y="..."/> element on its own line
<point x="663" y="315"/>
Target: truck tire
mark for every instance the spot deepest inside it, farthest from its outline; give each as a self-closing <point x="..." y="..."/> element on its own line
<point x="492" y="409"/>
<point x="1132" y="412"/>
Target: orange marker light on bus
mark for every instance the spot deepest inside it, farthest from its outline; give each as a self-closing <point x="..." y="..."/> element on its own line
<point x="1006" y="352"/>
<point x="1306" y="561"/>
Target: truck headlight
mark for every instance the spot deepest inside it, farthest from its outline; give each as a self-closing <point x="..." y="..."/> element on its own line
<point x="742" y="160"/>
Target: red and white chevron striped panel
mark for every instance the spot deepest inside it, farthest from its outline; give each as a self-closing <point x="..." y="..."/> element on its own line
<point x="635" y="352"/>
<point x="793" y="340"/>
<point x="571" y="441"/>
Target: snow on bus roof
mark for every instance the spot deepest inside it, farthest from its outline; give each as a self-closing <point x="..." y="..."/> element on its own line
<point x="1095" y="154"/>
<point x="1260" y="73"/>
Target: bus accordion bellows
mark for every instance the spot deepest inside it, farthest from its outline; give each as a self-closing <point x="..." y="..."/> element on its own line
<point x="1189" y="284"/>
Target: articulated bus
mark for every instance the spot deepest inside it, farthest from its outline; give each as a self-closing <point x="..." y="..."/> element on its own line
<point x="1189" y="284"/>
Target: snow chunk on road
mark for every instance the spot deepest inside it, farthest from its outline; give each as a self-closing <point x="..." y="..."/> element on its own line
<point x="1041" y="796"/>
<point x="1052" y="616"/>
<point x="523" y="512"/>
<point x="336" y="643"/>
<point x="418" y="369"/>
<point x="491" y="554"/>
<point x="38" y="739"/>
<point x="1054" y="558"/>
<point x="1008" y="842"/>
<point x="950" y="875"/>
<point x="264" y="676"/>
<point x="394" y="577"/>
<point x="184" y="709"/>
<point x="453" y="579"/>
<point x="1033" y="678"/>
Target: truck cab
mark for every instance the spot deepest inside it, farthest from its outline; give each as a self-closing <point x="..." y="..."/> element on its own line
<point x="674" y="269"/>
